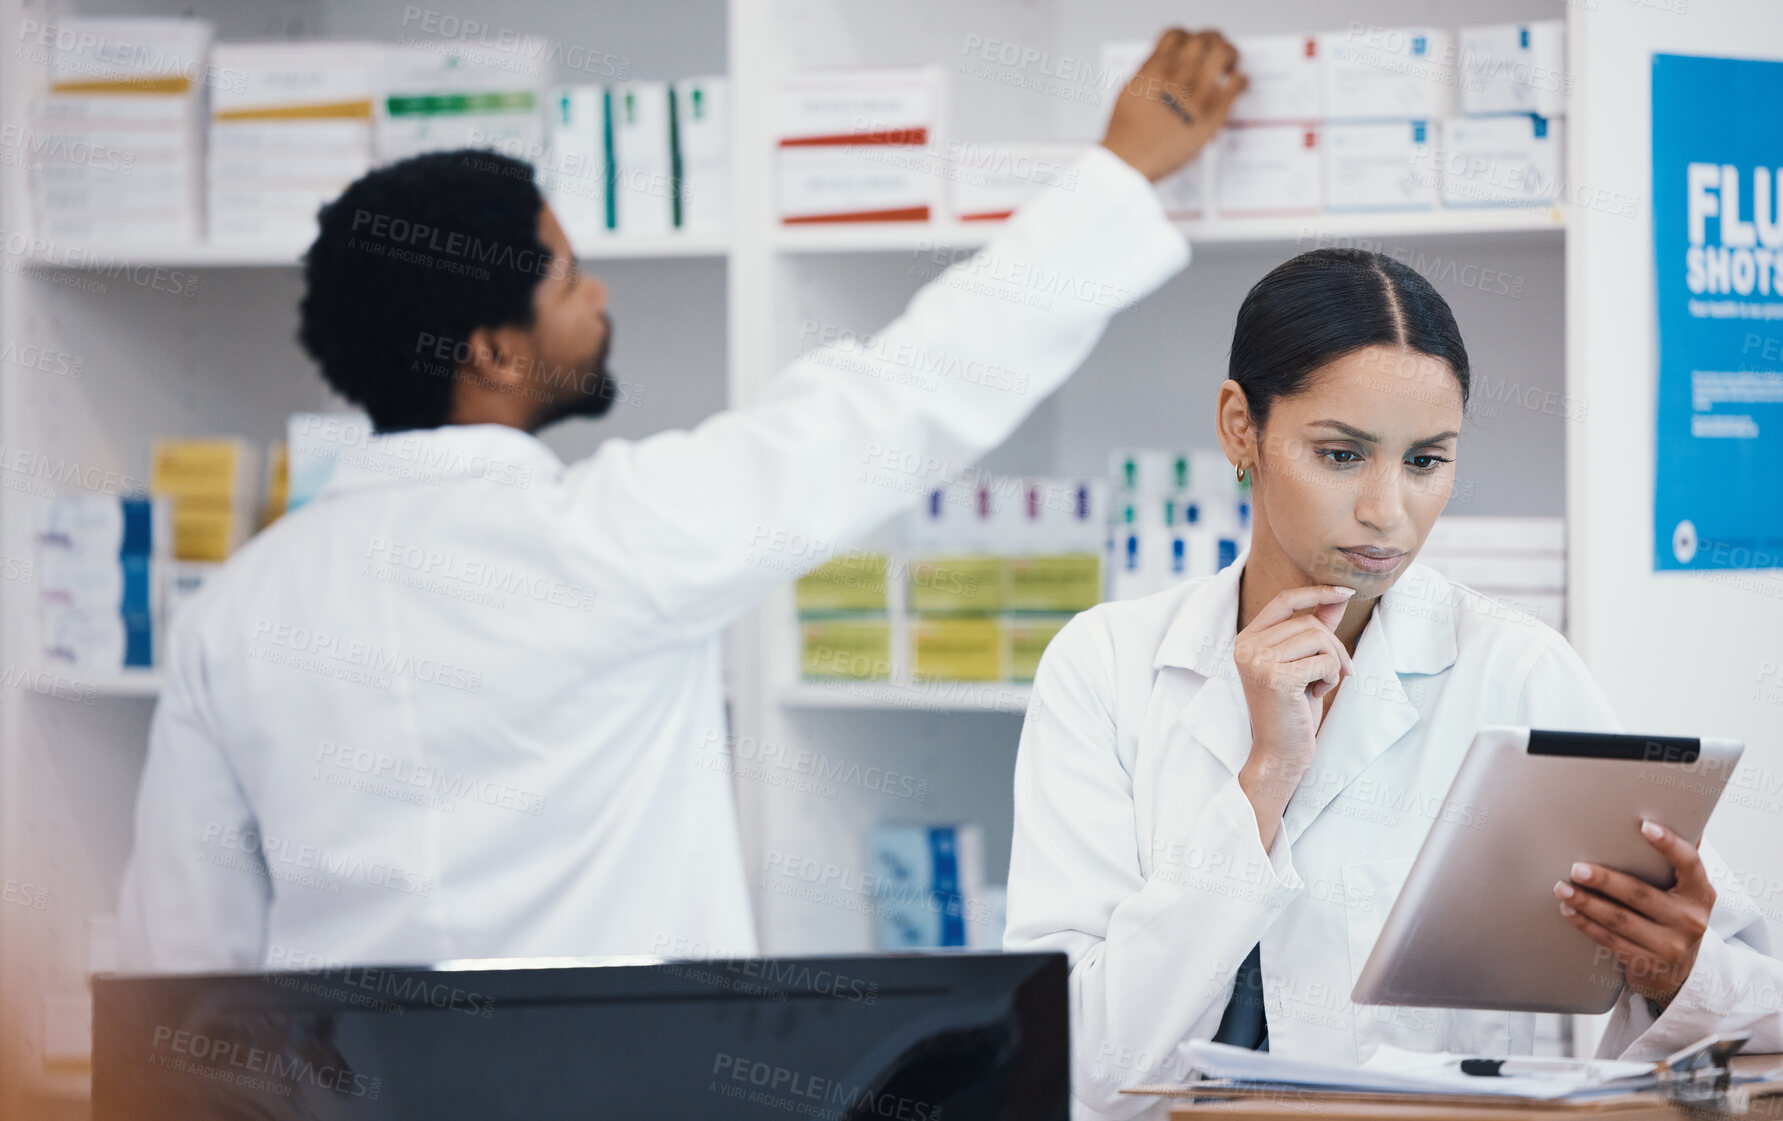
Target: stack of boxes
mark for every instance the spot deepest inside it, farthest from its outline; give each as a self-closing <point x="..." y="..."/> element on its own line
<point x="287" y="136"/>
<point x="100" y="560"/>
<point x="845" y="622"/>
<point x="1376" y="118"/>
<point x="996" y="569"/>
<point x="211" y="486"/>
<point x="1178" y="515"/>
<point x="642" y="157"/>
<point x="958" y="582"/>
<point x="115" y="570"/>
<point x="1386" y="89"/>
<point x="987" y="575"/>
<point x="119" y="148"/>
<point x="117" y="142"/>
<point x="858" y="146"/>
<point x="1506" y="147"/>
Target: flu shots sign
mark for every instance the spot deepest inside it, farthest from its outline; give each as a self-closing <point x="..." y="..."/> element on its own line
<point x="1718" y="239"/>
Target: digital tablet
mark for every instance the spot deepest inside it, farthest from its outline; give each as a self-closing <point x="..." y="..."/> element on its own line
<point x="1477" y="924"/>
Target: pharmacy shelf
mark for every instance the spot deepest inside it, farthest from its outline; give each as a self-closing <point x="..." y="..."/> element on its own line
<point x="210" y="255"/>
<point x="870" y="237"/>
<point x="115" y="683"/>
<point x="930" y="696"/>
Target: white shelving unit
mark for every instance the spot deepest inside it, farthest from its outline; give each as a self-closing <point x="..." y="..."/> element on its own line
<point x="950" y="696"/>
<point x="207" y="255"/>
<point x="1259" y="232"/>
<point x="223" y="360"/>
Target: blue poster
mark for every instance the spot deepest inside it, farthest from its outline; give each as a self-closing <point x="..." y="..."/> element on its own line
<point x="1718" y="244"/>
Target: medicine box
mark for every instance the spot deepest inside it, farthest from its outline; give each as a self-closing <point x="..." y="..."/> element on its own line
<point x="1375" y="166"/>
<point x="1499" y="161"/>
<point x="1268" y="169"/>
<point x="850" y="647"/>
<point x="702" y="153"/>
<point x="991" y="181"/>
<point x="1284" y="79"/>
<point x="134" y="51"/>
<point x="1051" y="582"/>
<point x="1027" y="637"/>
<point x="928" y="886"/>
<point x="856" y="581"/>
<point x="964" y="583"/>
<point x="485" y="97"/>
<point x="642" y="173"/>
<point x="858" y="145"/>
<point x="962" y="648"/>
<point x="1515" y="68"/>
<point x="295" y="79"/>
<point x="1387" y="73"/>
<point x="572" y="169"/>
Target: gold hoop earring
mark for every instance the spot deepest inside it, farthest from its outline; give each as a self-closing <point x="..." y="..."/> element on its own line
<point x="1241" y="474"/>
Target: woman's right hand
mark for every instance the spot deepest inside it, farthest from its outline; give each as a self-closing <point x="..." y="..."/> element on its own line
<point x="1288" y="659"/>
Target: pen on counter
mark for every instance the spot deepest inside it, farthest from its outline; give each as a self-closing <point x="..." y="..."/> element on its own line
<point x="1509" y="1068"/>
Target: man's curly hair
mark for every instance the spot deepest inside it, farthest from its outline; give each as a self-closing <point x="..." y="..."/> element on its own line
<point x="421" y="251"/>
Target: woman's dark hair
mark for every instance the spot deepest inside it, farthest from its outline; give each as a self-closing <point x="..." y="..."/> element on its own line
<point x="1322" y="305"/>
<point x="408" y="261"/>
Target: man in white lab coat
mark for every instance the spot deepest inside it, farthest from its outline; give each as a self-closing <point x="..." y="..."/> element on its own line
<point x="467" y="702"/>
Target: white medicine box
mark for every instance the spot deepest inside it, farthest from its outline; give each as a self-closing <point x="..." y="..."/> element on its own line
<point x="858" y="145"/>
<point x="1498" y="161"/>
<point x="1284" y="79"/>
<point x="1377" y="166"/>
<point x="1515" y="68"/>
<point x="643" y="165"/>
<point x="1268" y="169"/>
<point x="1387" y="73"/>
<point x="572" y="170"/>
<point x="702" y="138"/>
<point x="992" y="180"/>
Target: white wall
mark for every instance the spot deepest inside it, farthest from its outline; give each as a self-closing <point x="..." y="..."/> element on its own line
<point x="1676" y="652"/>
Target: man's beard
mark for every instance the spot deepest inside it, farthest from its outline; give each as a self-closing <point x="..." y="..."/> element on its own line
<point x="592" y="394"/>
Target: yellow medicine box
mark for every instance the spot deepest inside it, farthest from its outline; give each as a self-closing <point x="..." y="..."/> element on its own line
<point x="956" y="649"/>
<point x="857" y="649"/>
<point x="1065" y="582"/>
<point x="1028" y="636"/>
<point x="855" y="582"/>
<point x="967" y="584"/>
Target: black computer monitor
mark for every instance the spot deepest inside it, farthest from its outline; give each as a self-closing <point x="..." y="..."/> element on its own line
<point x="918" y="1037"/>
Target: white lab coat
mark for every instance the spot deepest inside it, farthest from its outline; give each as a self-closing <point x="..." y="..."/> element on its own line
<point x="468" y="702"/>
<point x="1137" y="853"/>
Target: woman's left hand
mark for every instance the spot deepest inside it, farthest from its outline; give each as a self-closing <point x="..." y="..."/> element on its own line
<point x="1654" y="934"/>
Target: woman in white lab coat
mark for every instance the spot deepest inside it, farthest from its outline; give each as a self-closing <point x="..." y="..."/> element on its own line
<point x="1220" y="788"/>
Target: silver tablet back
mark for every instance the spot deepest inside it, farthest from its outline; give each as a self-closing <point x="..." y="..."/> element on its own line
<point x="1477" y="925"/>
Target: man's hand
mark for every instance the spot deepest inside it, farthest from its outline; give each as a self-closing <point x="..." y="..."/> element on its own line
<point x="1176" y="103"/>
<point x="1654" y="934"/>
